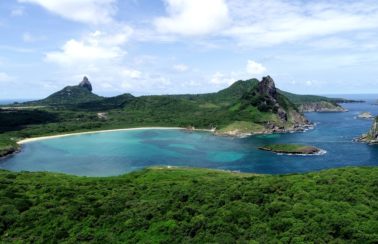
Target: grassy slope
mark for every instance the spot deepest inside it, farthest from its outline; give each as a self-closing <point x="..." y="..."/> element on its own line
<point x="191" y="205"/>
<point x="243" y="127"/>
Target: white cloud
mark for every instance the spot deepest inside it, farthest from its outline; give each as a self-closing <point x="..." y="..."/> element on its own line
<point x="19" y="11"/>
<point x="131" y="73"/>
<point x="309" y="83"/>
<point x="180" y="67"/>
<point x="266" y="23"/>
<point x="221" y="79"/>
<point x="254" y="68"/>
<point x="86" y="11"/>
<point x="4" y="77"/>
<point x="28" y="37"/>
<point x="262" y="23"/>
<point x="193" y="17"/>
<point x="96" y="47"/>
<point x="332" y="43"/>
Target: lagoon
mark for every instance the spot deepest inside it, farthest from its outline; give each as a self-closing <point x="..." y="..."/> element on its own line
<point x="119" y="152"/>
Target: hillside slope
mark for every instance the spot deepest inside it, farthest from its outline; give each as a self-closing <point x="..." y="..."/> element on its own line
<point x="191" y="206"/>
<point x="312" y="103"/>
<point x="70" y="95"/>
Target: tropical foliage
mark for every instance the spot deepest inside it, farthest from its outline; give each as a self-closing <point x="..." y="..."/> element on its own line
<point x="191" y="205"/>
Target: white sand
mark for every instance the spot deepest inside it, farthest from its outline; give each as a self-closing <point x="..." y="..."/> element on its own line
<point x="103" y="131"/>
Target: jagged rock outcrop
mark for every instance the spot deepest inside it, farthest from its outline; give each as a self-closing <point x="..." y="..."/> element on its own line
<point x="276" y="113"/>
<point x="273" y="101"/>
<point x="268" y="87"/>
<point x="86" y="84"/>
<point x="372" y="136"/>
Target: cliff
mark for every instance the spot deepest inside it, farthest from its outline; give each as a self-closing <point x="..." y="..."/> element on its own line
<point x="372" y="136"/>
<point x="269" y="112"/>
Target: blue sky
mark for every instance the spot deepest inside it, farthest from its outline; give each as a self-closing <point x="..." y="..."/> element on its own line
<point x="187" y="46"/>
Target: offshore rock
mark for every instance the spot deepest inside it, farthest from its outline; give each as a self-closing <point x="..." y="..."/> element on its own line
<point x="372" y="136"/>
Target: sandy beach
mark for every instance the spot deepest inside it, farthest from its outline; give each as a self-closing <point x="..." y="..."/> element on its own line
<point x="24" y="141"/>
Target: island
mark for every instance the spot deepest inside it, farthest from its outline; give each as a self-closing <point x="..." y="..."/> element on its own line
<point x="365" y="115"/>
<point x="295" y="149"/>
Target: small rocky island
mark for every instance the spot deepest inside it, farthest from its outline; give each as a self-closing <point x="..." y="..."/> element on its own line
<point x="292" y="149"/>
<point x="365" y="115"/>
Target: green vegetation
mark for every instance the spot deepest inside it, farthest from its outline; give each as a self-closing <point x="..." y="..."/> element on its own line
<point x="191" y="205"/>
<point x="242" y="127"/>
<point x="305" y="99"/>
<point x="291" y="149"/>
<point x="68" y="96"/>
<point x="7" y="146"/>
<point x="75" y="109"/>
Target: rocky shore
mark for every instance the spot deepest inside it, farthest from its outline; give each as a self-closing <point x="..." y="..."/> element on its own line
<point x="8" y="151"/>
<point x="372" y="136"/>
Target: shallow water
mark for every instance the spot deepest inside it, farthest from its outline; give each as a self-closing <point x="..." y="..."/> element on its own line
<point x="114" y="153"/>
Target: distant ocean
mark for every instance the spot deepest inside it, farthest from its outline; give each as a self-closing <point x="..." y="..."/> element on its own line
<point x="10" y="101"/>
<point x="365" y="97"/>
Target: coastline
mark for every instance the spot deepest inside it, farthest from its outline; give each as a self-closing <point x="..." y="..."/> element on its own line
<point x="28" y="140"/>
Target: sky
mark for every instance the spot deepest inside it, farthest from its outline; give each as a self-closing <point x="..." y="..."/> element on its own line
<point x="187" y="46"/>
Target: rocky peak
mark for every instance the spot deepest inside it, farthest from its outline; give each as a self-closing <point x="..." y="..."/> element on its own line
<point x="267" y="87"/>
<point x="86" y="84"/>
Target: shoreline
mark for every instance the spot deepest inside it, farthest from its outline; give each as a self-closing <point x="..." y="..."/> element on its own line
<point x="28" y="140"/>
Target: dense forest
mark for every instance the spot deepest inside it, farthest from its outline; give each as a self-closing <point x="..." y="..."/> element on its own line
<point x="161" y="205"/>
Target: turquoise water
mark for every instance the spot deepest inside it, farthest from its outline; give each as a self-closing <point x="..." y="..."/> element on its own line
<point x="114" y="153"/>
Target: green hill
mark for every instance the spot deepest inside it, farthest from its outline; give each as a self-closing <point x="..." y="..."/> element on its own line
<point x="301" y="99"/>
<point x="107" y="103"/>
<point x="161" y="205"/>
<point x="70" y="95"/>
